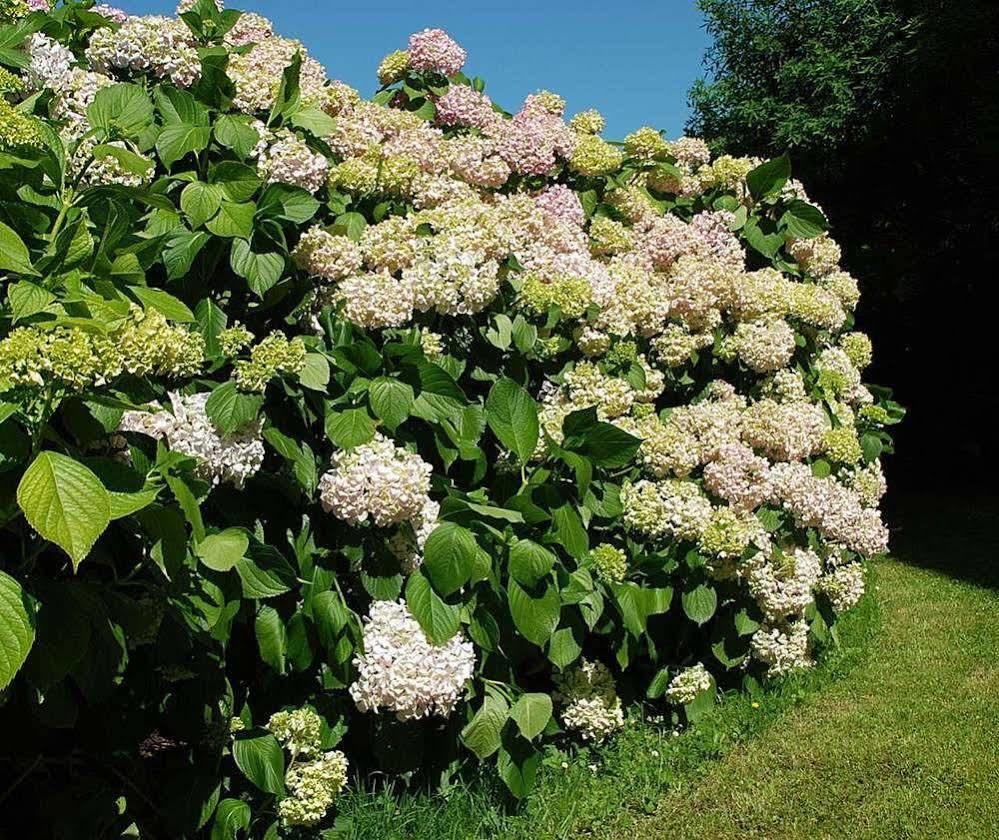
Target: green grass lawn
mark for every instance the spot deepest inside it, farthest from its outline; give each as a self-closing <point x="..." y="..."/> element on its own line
<point x="896" y="735"/>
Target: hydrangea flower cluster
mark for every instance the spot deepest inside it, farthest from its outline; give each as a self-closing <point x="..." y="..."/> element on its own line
<point x="589" y="699"/>
<point x="314" y="779"/>
<point x="687" y="684"/>
<point x="379" y="480"/>
<point x="186" y="429"/>
<point x="401" y="671"/>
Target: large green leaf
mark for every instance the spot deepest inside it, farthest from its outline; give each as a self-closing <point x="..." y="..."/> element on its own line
<point x="535" y="615"/>
<point x="260" y="758"/>
<point x="531" y="713"/>
<point x="449" y="557"/>
<point x="699" y="603"/>
<point x="223" y="550"/>
<point x="272" y="639"/>
<point x="439" y="620"/>
<point x="121" y="110"/>
<point x="768" y="178"/>
<point x="176" y="141"/>
<point x="349" y="428"/>
<point x="17" y="628"/>
<point x="64" y="502"/>
<point x="229" y="409"/>
<point x="231" y="816"/>
<point x="14" y="254"/>
<point x="261" y="270"/>
<point x="529" y="562"/>
<point x="391" y="400"/>
<point x="234" y="219"/>
<point x="200" y="201"/>
<point x="513" y="417"/>
<point x="482" y="733"/>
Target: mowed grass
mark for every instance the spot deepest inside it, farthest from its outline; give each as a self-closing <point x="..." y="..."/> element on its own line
<point x="894" y="735"/>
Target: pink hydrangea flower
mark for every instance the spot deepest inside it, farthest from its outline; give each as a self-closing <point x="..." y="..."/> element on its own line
<point x="462" y="105"/>
<point x="562" y="203"/>
<point x="435" y="50"/>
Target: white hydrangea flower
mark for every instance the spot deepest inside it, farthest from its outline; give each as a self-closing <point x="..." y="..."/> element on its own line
<point x="782" y="649"/>
<point x="378" y="480"/>
<point x="229" y="459"/>
<point x="686" y="685"/>
<point x="592" y="707"/>
<point x="782" y="584"/>
<point x="401" y="671"/>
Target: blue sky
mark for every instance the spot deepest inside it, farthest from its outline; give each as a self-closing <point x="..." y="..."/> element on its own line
<point x="633" y="60"/>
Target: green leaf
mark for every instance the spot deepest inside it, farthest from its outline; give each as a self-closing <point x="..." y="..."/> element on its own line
<point x="351" y="225"/>
<point x="637" y="603"/>
<point x="223" y="550"/>
<point x="260" y="758"/>
<point x="531" y="713"/>
<point x="181" y="250"/>
<point x="230" y="409"/>
<point x="517" y="765"/>
<point x="14" y="255"/>
<point x="163" y="302"/>
<point x="769" y="177"/>
<point x="176" y="141"/>
<point x="871" y="446"/>
<point x="121" y="110"/>
<point x="125" y="504"/>
<point x="349" y="428"/>
<point x="803" y="220"/>
<point x="535" y="616"/>
<point x="288" y="203"/>
<point x="26" y="298"/>
<point x="261" y="271"/>
<point x="231" y="816"/>
<point x="312" y="119"/>
<point x="17" y="628"/>
<point x="179" y="106"/>
<point x="237" y="181"/>
<point x="439" y="620"/>
<point x="449" y="557"/>
<point x="303" y="462"/>
<point x="272" y="639"/>
<point x="701" y="704"/>
<point x="315" y="375"/>
<point x="263" y="579"/>
<point x="699" y="603"/>
<point x="530" y="562"/>
<point x="568" y="531"/>
<point x="236" y="133"/>
<point x="482" y="733"/>
<point x="128" y="160"/>
<point x="200" y="201"/>
<point x="211" y="320"/>
<point x="234" y="219"/>
<point x="64" y="502"/>
<point x="391" y="400"/>
<point x="330" y="615"/>
<point x="608" y="446"/>
<point x="513" y="417"/>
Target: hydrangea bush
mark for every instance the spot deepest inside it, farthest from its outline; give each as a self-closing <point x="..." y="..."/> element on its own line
<point x="400" y="434"/>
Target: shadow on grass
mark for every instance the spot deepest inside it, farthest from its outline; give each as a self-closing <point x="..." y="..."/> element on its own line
<point x="954" y="535"/>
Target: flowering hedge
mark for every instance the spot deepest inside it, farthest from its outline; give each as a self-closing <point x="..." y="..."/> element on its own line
<point x="343" y="434"/>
